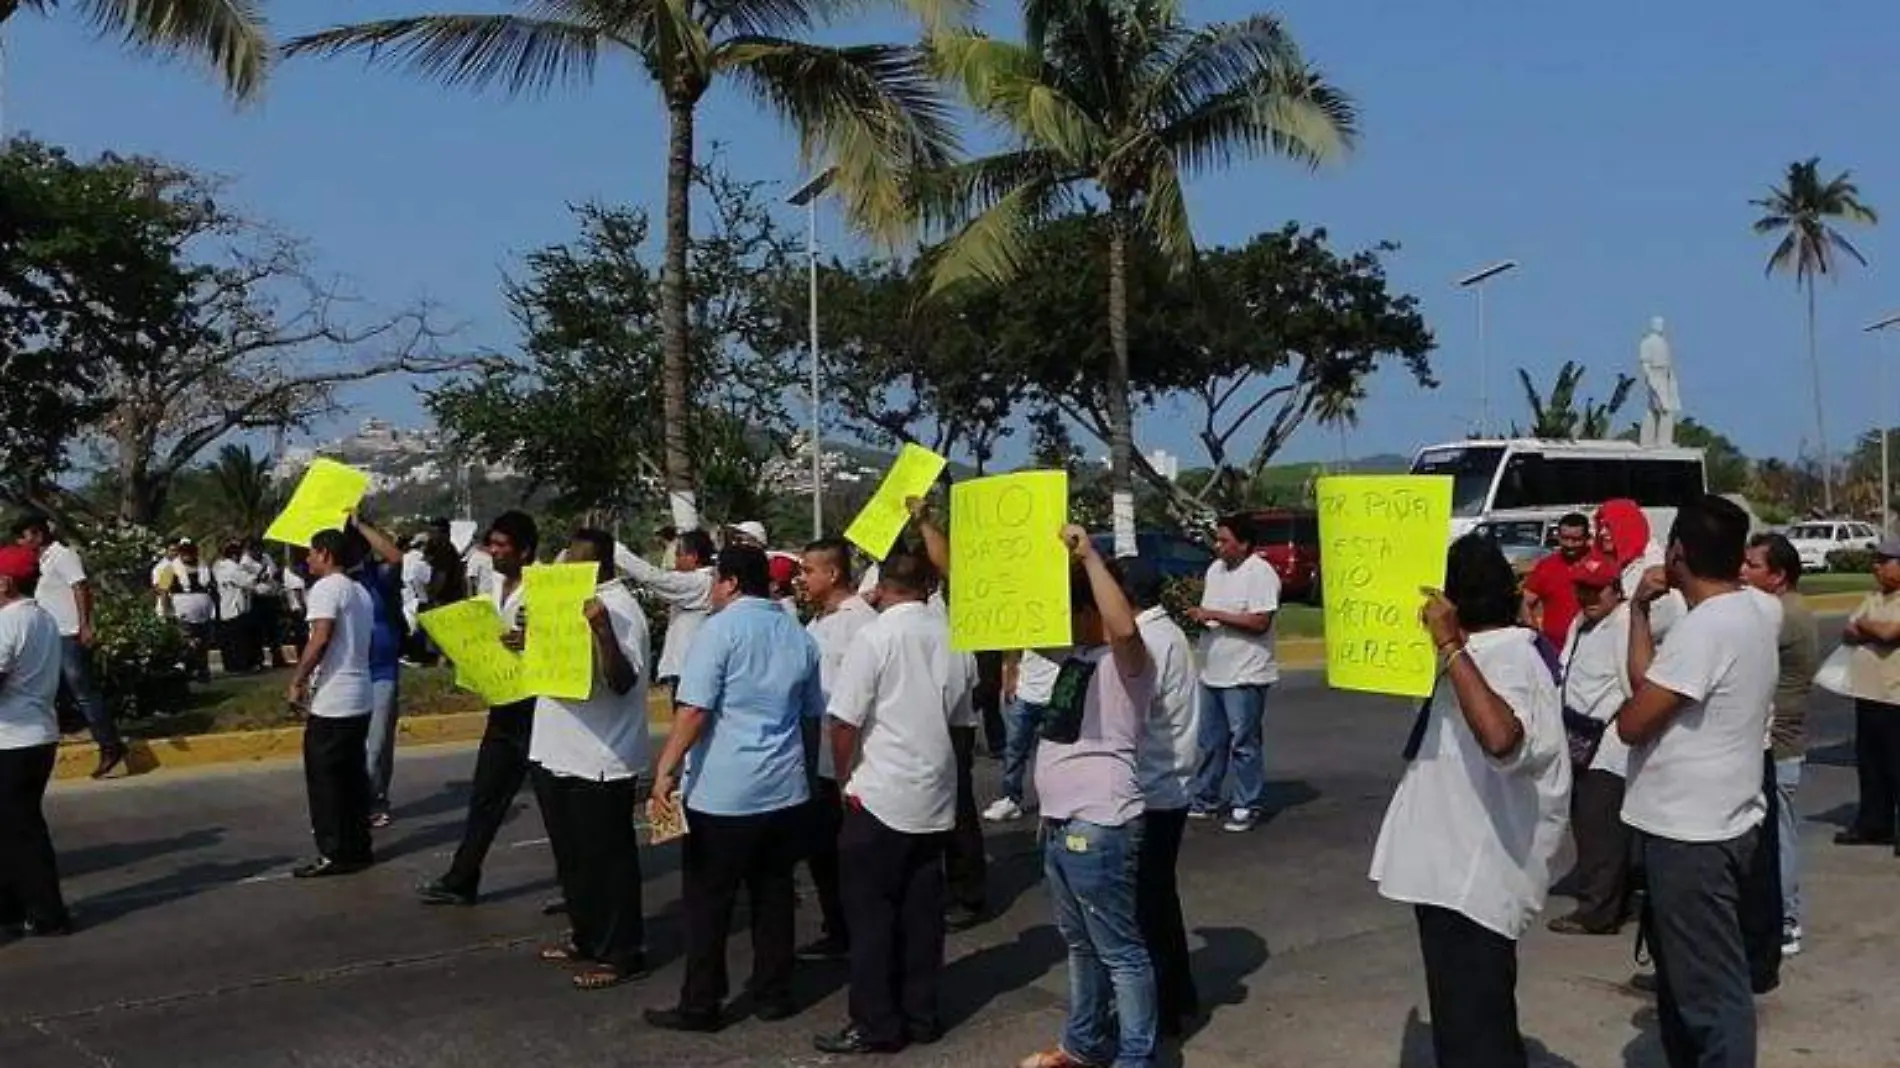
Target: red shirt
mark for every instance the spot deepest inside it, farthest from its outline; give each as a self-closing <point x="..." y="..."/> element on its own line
<point x="1550" y="582"/>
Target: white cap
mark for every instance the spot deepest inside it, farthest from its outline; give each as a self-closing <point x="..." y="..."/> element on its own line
<point x="752" y="530"/>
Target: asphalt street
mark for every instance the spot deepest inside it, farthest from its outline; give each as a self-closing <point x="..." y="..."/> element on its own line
<point x="197" y="948"/>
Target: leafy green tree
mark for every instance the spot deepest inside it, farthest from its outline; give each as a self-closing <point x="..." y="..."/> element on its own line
<point x="1125" y="99"/>
<point x="870" y="111"/>
<point x="1802" y="211"/>
<point x="225" y="35"/>
<point x="1562" y="415"/>
<point x="249" y="497"/>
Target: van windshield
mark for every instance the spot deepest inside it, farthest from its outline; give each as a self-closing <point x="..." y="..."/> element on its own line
<point x="1471" y="469"/>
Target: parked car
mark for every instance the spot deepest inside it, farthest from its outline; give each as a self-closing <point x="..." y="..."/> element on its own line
<point x="1288" y="538"/>
<point x="1524" y="538"/>
<point x="1816" y="538"/>
<point x="1174" y="555"/>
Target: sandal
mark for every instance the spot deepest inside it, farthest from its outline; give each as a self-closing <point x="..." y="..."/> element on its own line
<point x="1052" y="1058"/>
<point x="600" y="977"/>
<point x="565" y="953"/>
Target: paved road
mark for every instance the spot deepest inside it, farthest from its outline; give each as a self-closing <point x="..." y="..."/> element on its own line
<point x="198" y="950"/>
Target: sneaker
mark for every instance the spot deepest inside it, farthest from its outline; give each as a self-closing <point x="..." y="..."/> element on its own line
<point x="381" y="820"/>
<point x="1791" y="940"/>
<point x="1200" y="814"/>
<point x="1003" y="810"/>
<point x="1240" y="820"/>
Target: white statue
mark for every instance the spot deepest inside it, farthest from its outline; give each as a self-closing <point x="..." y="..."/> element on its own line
<point x="1659" y="376"/>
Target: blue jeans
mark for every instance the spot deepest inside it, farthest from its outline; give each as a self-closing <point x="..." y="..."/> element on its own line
<point x="1022" y="725"/>
<point x="1232" y="718"/>
<point x="1787" y="778"/>
<point x="381" y="745"/>
<point x="75" y="673"/>
<point x="1091" y="874"/>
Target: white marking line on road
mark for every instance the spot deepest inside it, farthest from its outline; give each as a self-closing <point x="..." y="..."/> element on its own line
<point x="267" y="877"/>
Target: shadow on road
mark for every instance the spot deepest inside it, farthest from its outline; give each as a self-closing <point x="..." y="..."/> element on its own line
<point x="452" y="797"/>
<point x="1645" y="1050"/>
<point x="78" y="862"/>
<point x="1838" y="755"/>
<point x="177" y="886"/>
<point x="972" y="981"/>
<point x="1415" y="1048"/>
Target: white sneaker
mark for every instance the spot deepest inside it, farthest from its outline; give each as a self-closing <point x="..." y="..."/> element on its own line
<point x="1241" y="820"/>
<point x="1003" y="810"/>
<point x="1791" y="941"/>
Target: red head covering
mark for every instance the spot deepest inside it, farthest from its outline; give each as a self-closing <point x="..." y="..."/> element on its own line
<point x="783" y="569"/>
<point x="1622" y="522"/>
<point x="19" y="563"/>
<point x="1594" y="571"/>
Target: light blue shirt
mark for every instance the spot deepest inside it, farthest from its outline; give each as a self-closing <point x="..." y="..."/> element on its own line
<point x="754" y="671"/>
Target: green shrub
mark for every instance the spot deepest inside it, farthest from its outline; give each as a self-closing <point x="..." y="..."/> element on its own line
<point x="1854" y="561"/>
<point x="1180" y="594"/>
<point x="139" y="658"/>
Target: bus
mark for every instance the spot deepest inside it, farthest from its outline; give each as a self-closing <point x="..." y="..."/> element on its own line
<point x="1519" y="475"/>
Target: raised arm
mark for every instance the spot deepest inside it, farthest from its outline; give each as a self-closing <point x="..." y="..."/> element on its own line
<point x="1118" y="617"/>
<point x="936" y="543"/>
<point x="379" y="543"/>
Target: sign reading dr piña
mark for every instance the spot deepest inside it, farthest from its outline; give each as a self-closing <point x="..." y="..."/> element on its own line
<point x="1382" y="540"/>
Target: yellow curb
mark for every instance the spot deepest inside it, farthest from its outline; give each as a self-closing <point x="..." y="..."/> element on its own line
<point x="1301" y="653"/>
<point x="1828" y="603"/>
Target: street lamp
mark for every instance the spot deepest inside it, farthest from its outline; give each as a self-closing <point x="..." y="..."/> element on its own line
<point x="1476" y="280"/>
<point x="1886" y="420"/>
<point x="806" y="196"/>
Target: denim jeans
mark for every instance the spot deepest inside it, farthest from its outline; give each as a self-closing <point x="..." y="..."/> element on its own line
<point x="381" y="748"/>
<point x="1022" y="725"/>
<point x="1232" y="718"/>
<point x="1787" y="779"/>
<point x="75" y="671"/>
<point x="1091" y="874"/>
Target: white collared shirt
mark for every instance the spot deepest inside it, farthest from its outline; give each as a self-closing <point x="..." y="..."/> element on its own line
<point x="508" y="604"/>
<point x="1165" y="762"/>
<point x="1596" y="682"/>
<point x="834" y="632"/>
<point x="604" y="737"/>
<point x="29" y="676"/>
<point x="903" y="688"/>
<point x="1231" y="656"/>
<point x="688" y="596"/>
<point x="1471" y="833"/>
<point x="60" y="570"/>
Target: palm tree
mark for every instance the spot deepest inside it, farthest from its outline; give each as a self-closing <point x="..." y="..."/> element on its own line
<point x="245" y="490"/>
<point x="228" y="35"/>
<point x="1801" y="210"/>
<point x="1123" y="99"/>
<point x="1559" y="417"/>
<point x="871" y="111"/>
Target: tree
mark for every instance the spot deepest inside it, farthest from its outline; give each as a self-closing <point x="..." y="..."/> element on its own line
<point x="868" y="110"/>
<point x="1802" y="210"/>
<point x="1559" y="416"/>
<point x="1123" y="97"/>
<point x="245" y="490"/>
<point x="225" y="35"/>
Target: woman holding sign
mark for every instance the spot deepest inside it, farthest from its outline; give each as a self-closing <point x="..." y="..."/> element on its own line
<point x="1468" y="838"/>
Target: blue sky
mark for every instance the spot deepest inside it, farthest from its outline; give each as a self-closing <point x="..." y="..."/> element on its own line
<point x="1611" y="147"/>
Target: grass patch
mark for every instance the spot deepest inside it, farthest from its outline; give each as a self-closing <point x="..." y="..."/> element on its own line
<point x="256" y="702"/>
<point x="1301" y="621"/>
<point x="1837" y="582"/>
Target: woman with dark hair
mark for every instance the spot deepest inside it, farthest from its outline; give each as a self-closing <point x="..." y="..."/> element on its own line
<point x="1468" y="838"/>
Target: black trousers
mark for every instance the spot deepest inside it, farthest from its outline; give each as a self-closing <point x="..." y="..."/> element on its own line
<point x="721" y="854"/>
<point x="989" y="700"/>
<point x="267" y="621"/>
<point x="966" y="864"/>
<point x="236" y="643"/>
<point x="1704" y="1004"/>
<point x="1877" y="757"/>
<point x="501" y="766"/>
<point x="29" y="872"/>
<point x="826" y="819"/>
<point x="336" y="774"/>
<point x="597" y="856"/>
<point x="1760" y="908"/>
<point x="1158" y="910"/>
<point x="1602" y="874"/>
<point x="1471" y="981"/>
<point x="894" y="886"/>
<point x="198" y="649"/>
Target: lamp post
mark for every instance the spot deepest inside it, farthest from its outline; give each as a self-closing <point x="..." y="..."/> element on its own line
<point x="806" y="196"/>
<point x="1885" y="410"/>
<point x="1475" y="281"/>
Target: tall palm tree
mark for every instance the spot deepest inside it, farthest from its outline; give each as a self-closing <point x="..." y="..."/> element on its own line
<point x="245" y="490"/>
<point x="227" y="35"/>
<point x="1802" y="210"/>
<point x="871" y="111"/>
<point x="1120" y="99"/>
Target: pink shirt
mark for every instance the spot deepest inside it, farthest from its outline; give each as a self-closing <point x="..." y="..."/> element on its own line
<point x="1094" y="778"/>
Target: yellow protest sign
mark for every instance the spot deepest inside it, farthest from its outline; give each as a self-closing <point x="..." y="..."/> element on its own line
<point x="1009" y="571"/>
<point x="876" y="528"/>
<point x="327" y="494"/>
<point x="469" y="634"/>
<point x="1382" y="539"/>
<point x="558" y="659"/>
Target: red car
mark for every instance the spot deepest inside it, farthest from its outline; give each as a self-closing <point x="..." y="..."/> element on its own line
<point x="1288" y="538"/>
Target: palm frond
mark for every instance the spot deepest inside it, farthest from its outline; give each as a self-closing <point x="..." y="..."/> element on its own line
<point x="229" y="35"/>
<point x="946" y="198"/>
<point x="1839" y="241"/>
<point x="1008" y="84"/>
<point x="1215" y="60"/>
<point x="522" y="54"/>
<point x="1164" y="215"/>
<point x="1304" y="119"/>
<point x="993" y="248"/>
<point x="762" y="17"/>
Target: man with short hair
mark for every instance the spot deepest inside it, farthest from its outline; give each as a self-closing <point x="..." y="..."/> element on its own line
<point x="1550" y="598"/>
<point x="1696" y="726"/>
<point x="65" y="593"/>
<point x="1874" y="676"/>
<point x="839" y="615"/>
<point x="1238" y="667"/>
<point x="749" y="696"/>
<point x="30" y="901"/>
<point x="686" y="589"/>
<point x="897" y="695"/>
<point x="332" y="686"/>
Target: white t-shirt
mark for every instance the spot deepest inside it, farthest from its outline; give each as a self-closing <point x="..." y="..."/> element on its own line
<point x="1036" y="677"/>
<point x="1230" y="656"/>
<point x="688" y="596"/>
<point x="903" y="687"/>
<point x="1668" y="608"/>
<point x="29" y="662"/>
<point x="1700" y="780"/>
<point x="1596" y="682"/>
<point x="60" y="571"/>
<point x="1165" y="761"/>
<point x="235" y="582"/>
<point x="604" y="737"/>
<point x="834" y="632"/>
<point x="416" y="574"/>
<point x="1471" y="833"/>
<point x="191" y="592"/>
<point x="340" y="687"/>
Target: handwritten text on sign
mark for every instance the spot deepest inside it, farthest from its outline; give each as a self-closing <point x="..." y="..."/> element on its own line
<point x="1009" y="571"/>
<point x="1382" y="539"/>
<point x="557" y="658"/>
<point x="469" y="634"/>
